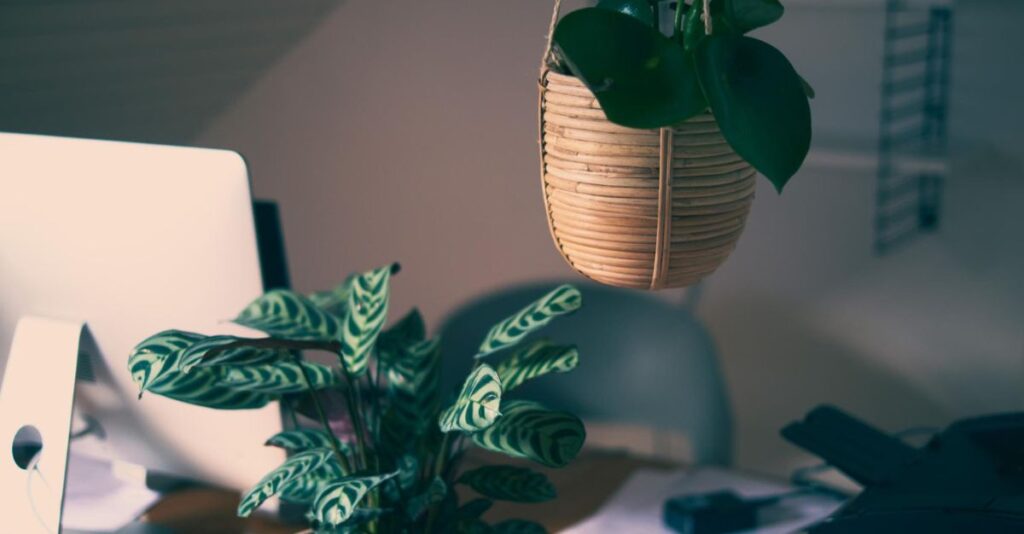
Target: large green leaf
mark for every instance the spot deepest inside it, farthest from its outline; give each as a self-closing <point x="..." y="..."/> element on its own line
<point x="474" y="509"/>
<point x="528" y="430"/>
<point x="305" y="439"/>
<point x="287" y="314"/>
<point x="434" y="494"/>
<point x="562" y="300"/>
<point x="231" y="350"/>
<point x="509" y="483"/>
<point x="759" y="102"/>
<point x="292" y="468"/>
<point x="158" y="355"/>
<point x="334" y="300"/>
<point x="745" y="15"/>
<point x="336" y="501"/>
<point x="367" y="311"/>
<point x="393" y="342"/>
<point x="518" y="526"/>
<point x="536" y="359"/>
<point x="280" y="378"/>
<point x="414" y="394"/>
<point x="641" y="78"/>
<point x="304" y="489"/>
<point x="638" y="9"/>
<point x="155" y="365"/>
<point x="478" y="403"/>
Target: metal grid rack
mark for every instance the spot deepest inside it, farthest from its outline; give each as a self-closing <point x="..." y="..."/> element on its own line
<point x="912" y="149"/>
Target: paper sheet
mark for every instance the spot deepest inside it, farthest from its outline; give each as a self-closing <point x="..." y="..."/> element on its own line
<point x="637" y="506"/>
<point x="98" y="499"/>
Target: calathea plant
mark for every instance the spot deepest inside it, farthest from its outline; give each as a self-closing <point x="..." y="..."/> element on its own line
<point x="396" y="471"/>
<point x="645" y="79"/>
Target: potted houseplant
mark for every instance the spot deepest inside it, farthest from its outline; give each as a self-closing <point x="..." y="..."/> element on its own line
<point x="650" y="142"/>
<point x="396" y="470"/>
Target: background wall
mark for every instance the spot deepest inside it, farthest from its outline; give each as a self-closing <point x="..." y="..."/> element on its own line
<point x="406" y="131"/>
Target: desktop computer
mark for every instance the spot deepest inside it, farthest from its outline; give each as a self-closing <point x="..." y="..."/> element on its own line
<point x="101" y="244"/>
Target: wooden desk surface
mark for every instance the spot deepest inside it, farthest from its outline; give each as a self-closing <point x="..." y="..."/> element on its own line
<point x="582" y="488"/>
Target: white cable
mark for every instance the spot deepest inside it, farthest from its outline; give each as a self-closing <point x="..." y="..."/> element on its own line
<point x="32" y="469"/>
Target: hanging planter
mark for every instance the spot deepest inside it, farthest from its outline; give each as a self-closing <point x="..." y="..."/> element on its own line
<point x="650" y="145"/>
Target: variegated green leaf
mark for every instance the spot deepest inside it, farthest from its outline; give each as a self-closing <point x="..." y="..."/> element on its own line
<point x="408" y="471"/>
<point x="230" y="350"/>
<point x="538" y="358"/>
<point x="292" y="468"/>
<point x="336" y="502"/>
<point x="478" y="404"/>
<point x="287" y="314"/>
<point x="367" y="311"/>
<point x="528" y="430"/>
<point x="473" y="526"/>
<point x="281" y="377"/>
<point x="155" y="365"/>
<point x="304" y="439"/>
<point x="304" y="489"/>
<point x="414" y="381"/>
<point x="474" y="509"/>
<point x="518" y="526"/>
<point x="355" y="524"/>
<point x="509" y="483"/>
<point x="434" y="494"/>
<point x="562" y="300"/>
<point x="334" y="300"/>
<point x="408" y="331"/>
<point x="206" y="387"/>
<point x="158" y="355"/>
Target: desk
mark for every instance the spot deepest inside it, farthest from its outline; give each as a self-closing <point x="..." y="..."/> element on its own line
<point x="582" y="488"/>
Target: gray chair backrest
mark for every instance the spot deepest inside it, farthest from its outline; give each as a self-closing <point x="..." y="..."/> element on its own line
<point x="642" y="360"/>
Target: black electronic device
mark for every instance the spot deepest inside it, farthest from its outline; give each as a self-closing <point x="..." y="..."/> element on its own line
<point x="968" y="478"/>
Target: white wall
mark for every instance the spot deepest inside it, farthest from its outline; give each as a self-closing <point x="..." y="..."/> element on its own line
<point x="407" y="131"/>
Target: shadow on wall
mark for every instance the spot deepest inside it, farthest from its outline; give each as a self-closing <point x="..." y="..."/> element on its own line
<point x="642" y="360"/>
<point x="782" y="365"/>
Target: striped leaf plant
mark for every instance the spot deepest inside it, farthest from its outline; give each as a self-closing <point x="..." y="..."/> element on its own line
<point x="390" y="463"/>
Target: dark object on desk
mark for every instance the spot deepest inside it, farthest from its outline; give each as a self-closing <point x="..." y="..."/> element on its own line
<point x="711" y="513"/>
<point x="968" y="478"/>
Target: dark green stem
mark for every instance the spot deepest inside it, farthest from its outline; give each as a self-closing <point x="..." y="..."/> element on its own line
<point x="678" y="25"/>
<point x="342" y="459"/>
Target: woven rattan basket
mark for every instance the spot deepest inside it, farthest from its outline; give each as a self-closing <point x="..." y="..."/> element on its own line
<point x="645" y="209"/>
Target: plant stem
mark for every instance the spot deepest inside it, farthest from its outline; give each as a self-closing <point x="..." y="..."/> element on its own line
<point x="342" y="459"/>
<point x="680" y="9"/>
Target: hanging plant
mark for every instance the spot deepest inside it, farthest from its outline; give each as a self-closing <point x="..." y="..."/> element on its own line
<point x="397" y="468"/>
<point x="650" y="142"/>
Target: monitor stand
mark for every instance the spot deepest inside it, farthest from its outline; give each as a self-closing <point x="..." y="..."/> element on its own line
<point x="36" y="402"/>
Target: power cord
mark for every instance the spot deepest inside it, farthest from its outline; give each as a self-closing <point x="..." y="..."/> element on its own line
<point x="32" y="470"/>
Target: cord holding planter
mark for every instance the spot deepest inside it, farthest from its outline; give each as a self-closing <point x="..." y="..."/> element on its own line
<point x="647" y="183"/>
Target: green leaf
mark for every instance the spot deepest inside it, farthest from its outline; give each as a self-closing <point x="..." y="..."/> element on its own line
<point x="759" y="103"/>
<point x="367" y="311"/>
<point x="230" y="350"/>
<point x="336" y="501"/>
<point x="474" y="509"/>
<point x="292" y="468"/>
<point x="528" y="430"/>
<point x="434" y="494"/>
<point x="509" y="483"/>
<point x="638" y="9"/>
<point x="408" y="331"/>
<point x="334" y="300"/>
<point x="560" y="301"/>
<point x="693" y="27"/>
<point x="287" y="314"/>
<point x="536" y="359"/>
<point x="745" y="15"/>
<point x="304" y="439"/>
<point x="478" y="404"/>
<point x="304" y="489"/>
<point x="281" y="377"/>
<point x="808" y="90"/>
<point x="640" y="77"/>
<point x="158" y="355"/>
<point x="155" y="365"/>
<point x="414" y="392"/>
<point x="473" y="526"/>
<point x="519" y="526"/>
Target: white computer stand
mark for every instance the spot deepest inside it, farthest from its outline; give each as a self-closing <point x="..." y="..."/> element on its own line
<point x="36" y="399"/>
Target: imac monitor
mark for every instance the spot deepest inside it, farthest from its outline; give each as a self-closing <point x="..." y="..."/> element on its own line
<point x="131" y="239"/>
